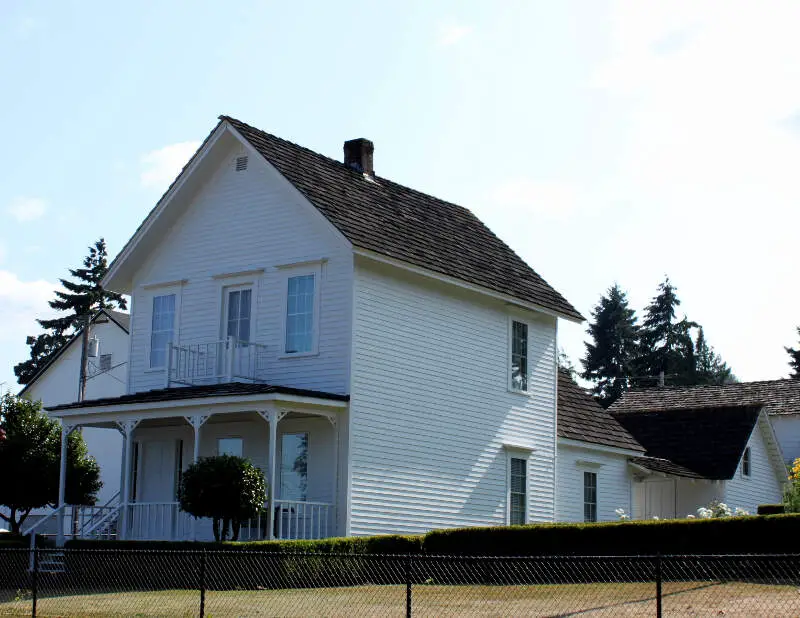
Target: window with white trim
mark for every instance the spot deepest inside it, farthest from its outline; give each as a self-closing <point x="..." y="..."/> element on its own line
<point x="162" y="328"/>
<point x="294" y="466"/>
<point x="230" y="446"/>
<point x="590" y="496"/>
<point x="517" y="490"/>
<point x="300" y="306"/>
<point x="747" y="462"/>
<point x="519" y="356"/>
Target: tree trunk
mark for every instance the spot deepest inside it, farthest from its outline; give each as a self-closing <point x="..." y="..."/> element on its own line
<point x="225" y="525"/>
<point x="236" y="525"/>
<point x="215" y="526"/>
<point x="12" y="519"/>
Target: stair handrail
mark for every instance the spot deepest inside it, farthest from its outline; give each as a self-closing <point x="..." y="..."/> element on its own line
<point x="32" y="529"/>
<point x="100" y="513"/>
<point x="110" y="514"/>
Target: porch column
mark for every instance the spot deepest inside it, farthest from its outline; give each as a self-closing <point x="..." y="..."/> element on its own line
<point x="126" y="427"/>
<point x="196" y="421"/>
<point x="273" y="415"/>
<point x="66" y="429"/>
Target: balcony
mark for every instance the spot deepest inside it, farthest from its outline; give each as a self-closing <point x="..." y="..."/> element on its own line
<point x="228" y="360"/>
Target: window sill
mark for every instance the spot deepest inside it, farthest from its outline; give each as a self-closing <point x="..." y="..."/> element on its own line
<point x="519" y="392"/>
<point x="155" y="370"/>
<point x="298" y="355"/>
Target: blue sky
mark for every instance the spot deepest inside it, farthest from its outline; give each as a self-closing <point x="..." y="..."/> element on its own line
<point x="603" y="140"/>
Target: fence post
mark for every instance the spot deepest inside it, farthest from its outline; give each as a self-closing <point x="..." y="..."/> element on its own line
<point x="35" y="581"/>
<point x="658" y="585"/>
<point x="203" y="584"/>
<point x="408" y="585"/>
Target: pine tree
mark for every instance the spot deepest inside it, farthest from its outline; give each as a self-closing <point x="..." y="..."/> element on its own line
<point x="709" y="366"/>
<point x="666" y="345"/>
<point x="80" y="297"/>
<point x="613" y="347"/>
<point x="794" y="360"/>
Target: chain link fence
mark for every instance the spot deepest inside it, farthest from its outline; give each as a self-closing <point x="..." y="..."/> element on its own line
<point x="253" y="583"/>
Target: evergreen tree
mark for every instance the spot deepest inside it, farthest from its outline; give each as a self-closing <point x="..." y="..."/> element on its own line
<point x="794" y="360"/>
<point x="80" y="297"/>
<point x="709" y="366"/>
<point x="666" y="344"/>
<point x="565" y="363"/>
<point x="613" y="347"/>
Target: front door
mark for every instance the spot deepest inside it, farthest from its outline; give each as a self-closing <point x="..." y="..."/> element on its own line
<point x="154" y="511"/>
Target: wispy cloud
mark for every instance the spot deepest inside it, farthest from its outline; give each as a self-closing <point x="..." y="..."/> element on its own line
<point x="161" y="166"/>
<point x="21" y="302"/>
<point x="25" y="209"/>
<point x="450" y="34"/>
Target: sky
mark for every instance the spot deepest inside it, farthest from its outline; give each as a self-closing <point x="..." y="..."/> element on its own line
<point x="604" y="140"/>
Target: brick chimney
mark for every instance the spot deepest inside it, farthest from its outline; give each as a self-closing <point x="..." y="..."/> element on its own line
<point x="358" y="155"/>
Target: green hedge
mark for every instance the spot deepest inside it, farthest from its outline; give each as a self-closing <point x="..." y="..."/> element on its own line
<point x="385" y="544"/>
<point x="732" y="535"/>
<point x="771" y="509"/>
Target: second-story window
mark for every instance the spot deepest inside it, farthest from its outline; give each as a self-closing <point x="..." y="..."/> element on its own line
<point x="239" y="314"/>
<point x="300" y="314"/>
<point x="746" y="462"/>
<point x="162" y="329"/>
<point x="519" y="356"/>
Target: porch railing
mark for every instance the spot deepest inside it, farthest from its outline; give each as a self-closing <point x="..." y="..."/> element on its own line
<point x="294" y="520"/>
<point x="157" y="521"/>
<point x="214" y="362"/>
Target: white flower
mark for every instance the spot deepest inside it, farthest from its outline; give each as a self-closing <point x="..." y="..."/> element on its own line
<point x="656" y="517"/>
<point x="690" y="517"/>
<point x="704" y="513"/>
<point x="740" y="512"/>
<point x="622" y="514"/>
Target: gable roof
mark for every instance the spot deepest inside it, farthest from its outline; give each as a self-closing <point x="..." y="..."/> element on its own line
<point x="708" y="442"/>
<point x="123" y="320"/>
<point x="580" y="417"/>
<point x="380" y="216"/>
<point x="775" y="396"/>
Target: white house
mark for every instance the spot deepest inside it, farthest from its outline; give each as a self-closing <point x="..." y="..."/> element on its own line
<point x="663" y="453"/>
<point x="385" y="359"/>
<point x="107" y="376"/>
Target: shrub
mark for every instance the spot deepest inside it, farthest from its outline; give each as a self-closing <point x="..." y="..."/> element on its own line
<point x="771" y="509"/>
<point x="226" y="488"/>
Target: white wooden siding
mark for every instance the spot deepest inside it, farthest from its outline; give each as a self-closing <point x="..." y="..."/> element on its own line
<point x="246" y="221"/>
<point x="59" y="384"/>
<point x="613" y="483"/>
<point x="764" y="484"/>
<point x="431" y="410"/>
<point x="787" y="428"/>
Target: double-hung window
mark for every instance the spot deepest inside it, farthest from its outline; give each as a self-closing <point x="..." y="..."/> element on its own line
<point x="517" y="490"/>
<point x="519" y="356"/>
<point x="590" y="496"/>
<point x="230" y="446"/>
<point x="300" y="318"/>
<point x="162" y="329"/>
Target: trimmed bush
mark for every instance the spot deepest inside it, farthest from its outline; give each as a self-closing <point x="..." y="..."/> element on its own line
<point x="771" y="509"/>
<point x="727" y="535"/>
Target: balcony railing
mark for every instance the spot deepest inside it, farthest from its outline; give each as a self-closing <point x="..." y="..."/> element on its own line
<point x="215" y="362"/>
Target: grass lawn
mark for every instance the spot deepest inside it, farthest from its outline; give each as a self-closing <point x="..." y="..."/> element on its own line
<point x="680" y="599"/>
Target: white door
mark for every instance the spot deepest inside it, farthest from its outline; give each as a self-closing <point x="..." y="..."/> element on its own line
<point x="236" y="323"/>
<point x="154" y="512"/>
<point x="659" y="499"/>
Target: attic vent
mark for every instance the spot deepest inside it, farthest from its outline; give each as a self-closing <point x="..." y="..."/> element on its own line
<point x="241" y="163"/>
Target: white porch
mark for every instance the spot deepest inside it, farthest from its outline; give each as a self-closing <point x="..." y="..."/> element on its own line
<point x="299" y="442"/>
<point x="670" y="496"/>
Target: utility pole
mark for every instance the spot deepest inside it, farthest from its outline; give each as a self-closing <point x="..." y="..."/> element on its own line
<point x="84" y="357"/>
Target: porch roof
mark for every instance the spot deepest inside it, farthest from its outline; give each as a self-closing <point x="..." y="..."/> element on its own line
<point x="228" y="389"/>
<point x="664" y="466"/>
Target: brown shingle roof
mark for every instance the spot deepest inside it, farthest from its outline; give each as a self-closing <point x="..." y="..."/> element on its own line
<point x="580" y="417"/>
<point x="776" y="396"/>
<point x="665" y="466"/>
<point x="395" y="221"/>
<point x="709" y="442"/>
